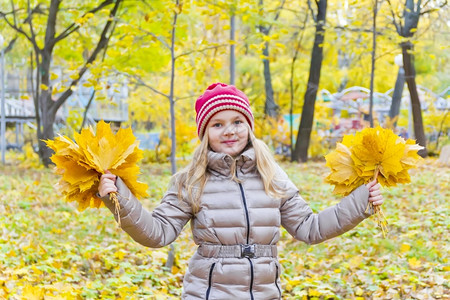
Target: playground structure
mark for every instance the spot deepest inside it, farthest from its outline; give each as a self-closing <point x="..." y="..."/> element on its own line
<point x="354" y="102"/>
<point x="20" y="108"/>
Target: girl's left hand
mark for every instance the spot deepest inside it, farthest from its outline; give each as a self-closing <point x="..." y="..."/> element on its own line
<point x="375" y="195"/>
<point x="107" y="184"/>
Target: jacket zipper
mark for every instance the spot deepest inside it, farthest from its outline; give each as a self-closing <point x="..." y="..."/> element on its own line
<point x="276" y="282"/>
<point x="251" y="278"/>
<point x="248" y="236"/>
<point x="246" y="211"/>
<point x="208" y="291"/>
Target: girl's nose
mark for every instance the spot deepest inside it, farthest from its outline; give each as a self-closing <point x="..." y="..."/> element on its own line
<point x="229" y="130"/>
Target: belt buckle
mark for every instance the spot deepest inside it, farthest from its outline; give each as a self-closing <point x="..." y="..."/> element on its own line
<point x="247" y="251"/>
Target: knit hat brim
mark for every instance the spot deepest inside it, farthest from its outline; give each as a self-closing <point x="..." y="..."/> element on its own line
<point x="219" y="97"/>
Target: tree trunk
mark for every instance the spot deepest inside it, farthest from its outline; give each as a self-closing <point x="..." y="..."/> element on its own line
<point x="372" y="71"/>
<point x="173" y="165"/>
<point x="232" y="49"/>
<point x="270" y="107"/>
<point x="411" y="15"/>
<point x="307" y="117"/>
<point x="410" y="75"/>
<point x="47" y="133"/>
<point x="397" y="96"/>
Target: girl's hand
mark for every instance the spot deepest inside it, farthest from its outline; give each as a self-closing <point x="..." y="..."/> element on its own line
<point x="375" y="195"/>
<point x="107" y="184"/>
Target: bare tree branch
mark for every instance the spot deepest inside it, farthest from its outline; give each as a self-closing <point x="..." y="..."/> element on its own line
<point x="200" y="50"/>
<point x="155" y="36"/>
<point x="393" y="50"/>
<point x="426" y="3"/>
<point x="35" y="10"/>
<point x="356" y="29"/>
<point x="74" y="27"/>
<point x="14" y="14"/>
<point x="295" y="11"/>
<point x="266" y="30"/>
<point x="104" y="39"/>
<point x="28" y="20"/>
<point x="10" y="45"/>
<point x="312" y="11"/>
<point x="394" y="19"/>
<point x="184" y="98"/>
<point x="138" y="81"/>
<point x="433" y="9"/>
<point x="418" y="6"/>
<point x="91" y="99"/>
<point x="31" y="37"/>
<point x="277" y="14"/>
<point x="18" y="29"/>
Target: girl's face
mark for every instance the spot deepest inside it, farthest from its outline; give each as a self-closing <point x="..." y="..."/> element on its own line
<point x="228" y="132"/>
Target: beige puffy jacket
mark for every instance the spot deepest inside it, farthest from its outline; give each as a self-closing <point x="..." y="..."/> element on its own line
<point x="231" y="216"/>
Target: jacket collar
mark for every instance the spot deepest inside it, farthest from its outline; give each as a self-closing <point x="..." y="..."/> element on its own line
<point x="220" y="163"/>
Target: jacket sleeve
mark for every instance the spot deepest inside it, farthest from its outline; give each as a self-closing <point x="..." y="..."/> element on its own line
<point x="152" y="229"/>
<point x="313" y="228"/>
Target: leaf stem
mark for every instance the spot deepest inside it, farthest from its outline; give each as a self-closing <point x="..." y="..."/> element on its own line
<point x="115" y="200"/>
<point x="377" y="171"/>
<point x="378" y="212"/>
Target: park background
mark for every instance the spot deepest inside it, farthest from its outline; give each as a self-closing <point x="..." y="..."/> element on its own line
<point x="313" y="71"/>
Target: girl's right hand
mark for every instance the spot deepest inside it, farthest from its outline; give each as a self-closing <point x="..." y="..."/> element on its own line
<point x="107" y="184"/>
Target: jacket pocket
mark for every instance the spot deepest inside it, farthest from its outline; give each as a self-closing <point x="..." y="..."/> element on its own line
<point x="208" y="291"/>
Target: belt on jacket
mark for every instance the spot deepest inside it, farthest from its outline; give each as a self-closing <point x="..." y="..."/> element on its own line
<point x="238" y="251"/>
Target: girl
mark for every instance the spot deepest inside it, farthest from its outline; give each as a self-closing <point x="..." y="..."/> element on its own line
<point x="236" y="197"/>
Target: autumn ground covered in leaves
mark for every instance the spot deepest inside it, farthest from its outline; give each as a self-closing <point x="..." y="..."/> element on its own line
<point x="50" y="250"/>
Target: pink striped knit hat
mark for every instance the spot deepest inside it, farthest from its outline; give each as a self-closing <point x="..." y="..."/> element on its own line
<point x="218" y="97"/>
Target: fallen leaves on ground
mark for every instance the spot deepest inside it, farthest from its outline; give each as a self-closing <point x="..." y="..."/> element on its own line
<point x="49" y="249"/>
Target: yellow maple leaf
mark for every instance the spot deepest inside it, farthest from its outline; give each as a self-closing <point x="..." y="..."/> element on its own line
<point x="411" y="157"/>
<point x="405" y="248"/>
<point x="378" y="148"/>
<point x="414" y="263"/>
<point x="33" y="292"/>
<point x="341" y="162"/>
<point x="344" y="175"/>
<point x="81" y="163"/>
<point x="314" y="293"/>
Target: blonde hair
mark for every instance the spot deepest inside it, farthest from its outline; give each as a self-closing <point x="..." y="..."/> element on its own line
<point x="191" y="181"/>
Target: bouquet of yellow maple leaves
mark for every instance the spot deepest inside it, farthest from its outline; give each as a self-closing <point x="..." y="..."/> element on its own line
<point x="83" y="161"/>
<point x="373" y="153"/>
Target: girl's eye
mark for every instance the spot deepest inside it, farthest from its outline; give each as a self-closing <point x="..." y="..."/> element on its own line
<point x="237" y="122"/>
<point x="216" y="125"/>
